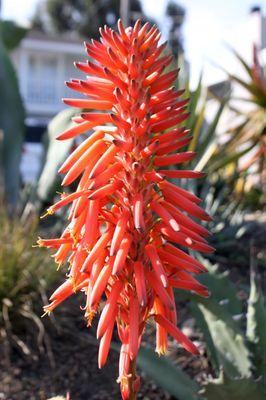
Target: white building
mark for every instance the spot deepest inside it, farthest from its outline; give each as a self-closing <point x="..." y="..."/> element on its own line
<point x="43" y="64"/>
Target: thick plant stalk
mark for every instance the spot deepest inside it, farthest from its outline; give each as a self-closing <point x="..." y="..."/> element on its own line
<point x="129" y="225"/>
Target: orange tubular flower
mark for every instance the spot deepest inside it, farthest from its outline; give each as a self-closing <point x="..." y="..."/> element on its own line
<point x="127" y="221"/>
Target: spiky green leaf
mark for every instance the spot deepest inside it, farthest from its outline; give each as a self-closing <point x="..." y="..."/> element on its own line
<point x="228" y="159"/>
<point x="193" y="104"/>
<point x="227" y="388"/>
<point x="229" y="342"/>
<point x="256" y="323"/>
<point x="223" y="290"/>
<point x="57" y="152"/>
<point x="210" y="132"/>
<point x="168" y="376"/>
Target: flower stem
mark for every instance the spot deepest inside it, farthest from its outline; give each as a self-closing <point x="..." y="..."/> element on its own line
<point x="131" y="380"/>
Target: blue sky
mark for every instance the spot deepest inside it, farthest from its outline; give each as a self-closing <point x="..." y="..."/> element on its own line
<point x="208" y="25"/>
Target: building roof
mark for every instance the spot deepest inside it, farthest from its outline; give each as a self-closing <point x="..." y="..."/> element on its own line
<point x="62" y="37"/>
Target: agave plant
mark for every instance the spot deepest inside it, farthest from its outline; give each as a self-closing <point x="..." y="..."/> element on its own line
<point x="238" y="357"/>
<point x="125" y="215"/>
<point x="235" y="344"/>
<point x="250" y="132"/>
<point x="222" y="160"/>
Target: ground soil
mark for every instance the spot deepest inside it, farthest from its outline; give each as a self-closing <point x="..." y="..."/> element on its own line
<point x="69" y="366"/>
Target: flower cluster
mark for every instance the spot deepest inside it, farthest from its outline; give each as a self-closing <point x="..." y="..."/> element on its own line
<point x="129" y="225"/>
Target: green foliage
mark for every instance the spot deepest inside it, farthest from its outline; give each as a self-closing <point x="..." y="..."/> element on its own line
<point x="226" y="387"/>
<point x="56" y="154"/>
<point x="249" y="131"/>
<point x="223" y="290"/>
<point x="12" y="34"/>
<point x="221" y="159"/>
<point x="195" y="121"/>
<point x="255" y="86"/>
<point x="238" y="360"/>
<point x="24" y="275"/>
<point x="204" y="137"/>
<point x="167" y="375"/>
<point x="225" y="343"/>
<point x="210" y="156"/>
<point x="227" y="339"/>
<point x="241" y="357"/>
<point x="256" y="322"/>
<point x="21" y="266"/>
<point x="216" y="189"/>
<point x="11" y="115"/>
<point x="12" y="125"/>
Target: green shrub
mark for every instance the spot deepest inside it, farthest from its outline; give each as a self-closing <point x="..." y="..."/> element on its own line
<point x="24" y="274"/>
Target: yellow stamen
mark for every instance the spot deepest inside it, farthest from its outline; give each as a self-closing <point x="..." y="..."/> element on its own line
<point x="47" y="312"/>
<point x="38" y="243"/>
<point x="59" y="266"/>
<point x="49" y="211"/>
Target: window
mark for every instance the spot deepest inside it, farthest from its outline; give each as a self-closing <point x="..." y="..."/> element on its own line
<point x="42" y="79"/>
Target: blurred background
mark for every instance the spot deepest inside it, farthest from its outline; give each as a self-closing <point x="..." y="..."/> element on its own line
<point x="221" y="50"/>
